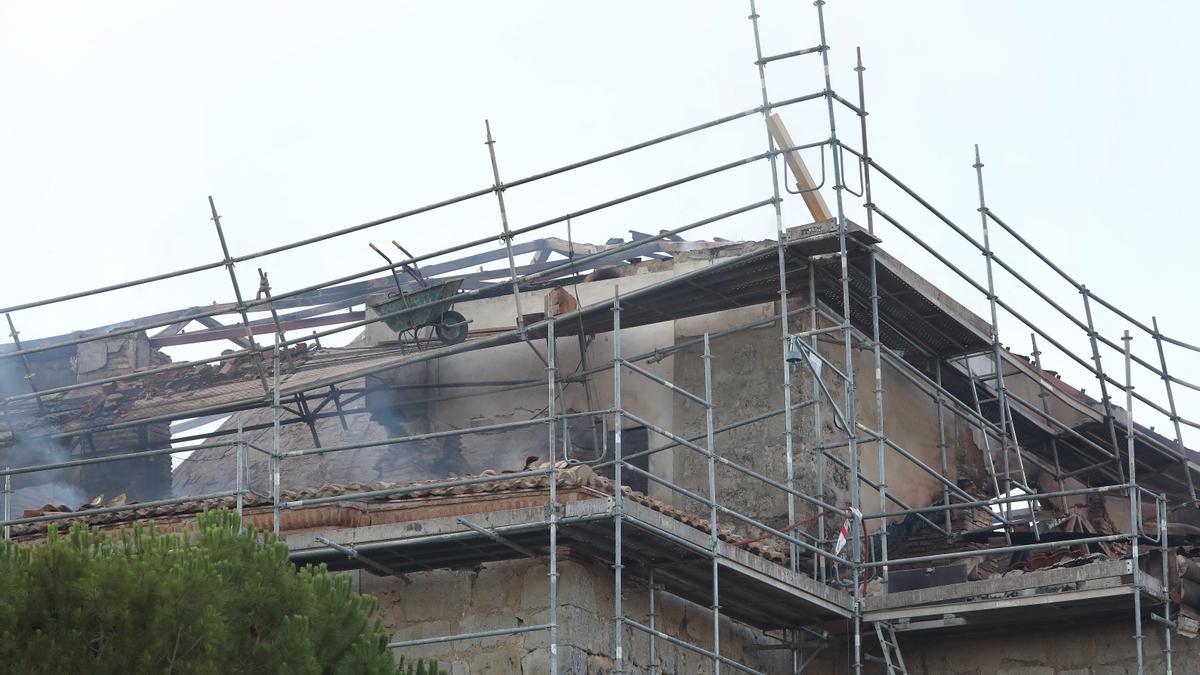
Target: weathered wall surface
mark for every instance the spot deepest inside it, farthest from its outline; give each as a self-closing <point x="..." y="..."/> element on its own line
<point x="504" y="595"/>
<point x="210" y="469"/>
<point x="747" y="381"/>
<point x="144" y="478"/>
<point x="1102" y="648"/>
<point x="464" y="408"/>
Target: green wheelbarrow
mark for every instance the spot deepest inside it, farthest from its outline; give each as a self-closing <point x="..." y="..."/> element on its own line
<point x="434" y="305"/>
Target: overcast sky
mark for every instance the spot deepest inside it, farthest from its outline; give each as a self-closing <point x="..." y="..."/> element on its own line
<point x="120" y="118"/>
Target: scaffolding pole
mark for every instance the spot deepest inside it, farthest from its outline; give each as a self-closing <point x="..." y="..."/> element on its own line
<point x="498" y="188"/>
<point x="551" y="420"/>
<point x="276" y="454"/>
<point x="782" y="262"/>
<point x="845" y="417"/>
<point x="1037" y="362"/>
<point x="1135" y="517"/>
<point x="1105" y="399"/>
<point x="1166" y="378"/>
<point x="237" y="294"/>
<point x="997" y="358"/>
<point x="714" y="538"/>
<point x="880" y="445"/>
<point x="618" y="492"/>
<point x="850" y="393"/>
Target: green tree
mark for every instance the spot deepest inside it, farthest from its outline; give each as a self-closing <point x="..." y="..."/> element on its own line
<point x="215" y="600"/>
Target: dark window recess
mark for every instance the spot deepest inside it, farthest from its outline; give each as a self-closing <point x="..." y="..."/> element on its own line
<point x="633" y="440"/>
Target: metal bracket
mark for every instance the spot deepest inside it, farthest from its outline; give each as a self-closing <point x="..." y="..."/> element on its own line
<point x="351" y="553"/>
<point x="490" y="534"/>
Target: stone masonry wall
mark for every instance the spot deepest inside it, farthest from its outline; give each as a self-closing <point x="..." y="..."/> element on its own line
<point x="1100" y="648"/>
<point x="507" y="594"/>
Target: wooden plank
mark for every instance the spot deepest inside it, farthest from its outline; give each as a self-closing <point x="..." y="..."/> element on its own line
<point x="238" y="332"/>
<point x="174" y="329"/>
<point x="218" y="327"/>
<point x="804" y="180"/>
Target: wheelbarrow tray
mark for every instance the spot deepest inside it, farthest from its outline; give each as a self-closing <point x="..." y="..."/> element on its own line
<point x="437" y="300"/>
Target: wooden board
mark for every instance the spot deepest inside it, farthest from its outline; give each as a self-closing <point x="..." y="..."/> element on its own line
<point x="804" y="180"/>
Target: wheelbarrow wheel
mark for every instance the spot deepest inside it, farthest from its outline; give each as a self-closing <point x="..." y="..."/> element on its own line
<point x="451" y="328"/>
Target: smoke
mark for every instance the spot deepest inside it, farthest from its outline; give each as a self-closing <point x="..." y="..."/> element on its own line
<point x="403" y="413"/>
<point x="26" y="441"/>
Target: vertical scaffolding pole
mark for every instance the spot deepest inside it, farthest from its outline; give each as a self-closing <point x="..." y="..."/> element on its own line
<point x="239" y="448"/>
<point x="710" y="437"/>
<point x="498" y="188"/>
<point x="618" y="498"/>
<point x="276" y="455"/>
<point x="7" y="498"/>
<point x="653" y="628"/>
<point x="1166" y="377"/>
<point x="997" y="359"/>
<point x="237" y="294"/>
<point x="818" y="437"/>
<point x="1104" y="397"/>
<point x="881" y="448"/>
<point x="265" y="290"/>
<point x="783" y="288"/>
<point x="866" y="154"/>
<point x="1135" y="519"/>
<point x="1058" y="474"/>
<point x="551" y="419"/>
<point x="941" y="421"/>
<point x="1160" y="509"/>
<point x="29" y="374"/>
<point x="848" y="384"/>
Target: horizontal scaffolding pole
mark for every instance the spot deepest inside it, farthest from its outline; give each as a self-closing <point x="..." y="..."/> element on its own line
<point x="1032" y="326"/>
<point x="999" y="550"/>
<point x="457" y="536"/>
<point x="718" y="430"/>
<point x="572" y="264"/>
<point x="499" y="632"/>
<point x="68" y="515"/>
<point x="35" y="468"/>
<point x="999" y="500"/>
<point x="664" y="382"/>
<point x="731" y="464"/>
<point x="416" y="487"/>
<point x="1081" y="288"/>
<point x="266" y="303"/>
<point x="504" y="426"/>
<point x="422" y="209"/>
<point x="687" y="645"/>
<point x="1009" y="308"/>
<point x="736" y="515"/>
<point x="349" y="552"/>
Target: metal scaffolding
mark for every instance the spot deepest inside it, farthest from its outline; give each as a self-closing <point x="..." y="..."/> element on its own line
<point x="844" y="302"/>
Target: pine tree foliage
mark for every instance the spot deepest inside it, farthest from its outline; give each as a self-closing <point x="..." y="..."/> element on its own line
<point x="216" y="600"/>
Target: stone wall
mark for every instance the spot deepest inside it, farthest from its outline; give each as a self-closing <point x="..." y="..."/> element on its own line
<point x="143" y="478"/>
<point x="748" y="381"/>
<point x="508" y="594"/>
<point x="1096" y="648"/>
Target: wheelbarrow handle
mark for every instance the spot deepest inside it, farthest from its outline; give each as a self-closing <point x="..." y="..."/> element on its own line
<point x="412" y="270"/>
<point x="395" y="277"/>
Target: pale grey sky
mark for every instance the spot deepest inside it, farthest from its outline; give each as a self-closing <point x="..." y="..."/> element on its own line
<point x="121" y="117"/>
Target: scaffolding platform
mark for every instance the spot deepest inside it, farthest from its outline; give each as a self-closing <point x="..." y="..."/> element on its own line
<point x="1094" y="591"/>
<point x="754" y="590"/>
